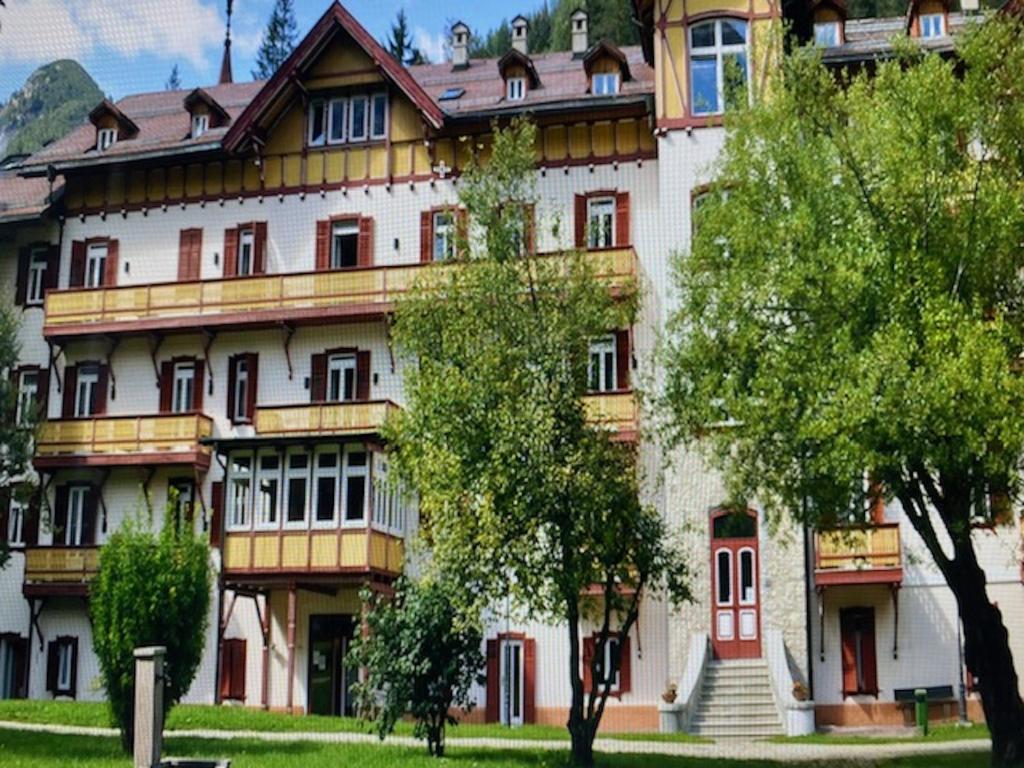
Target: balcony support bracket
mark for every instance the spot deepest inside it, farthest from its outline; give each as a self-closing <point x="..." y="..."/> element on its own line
<point x="34" y="614"/>
<point x="55" y="352"/>
<point x="155" y="342"/>
<point x="197" y="487"/>
<point x="208" y="336"/>
<point x="104" y="475"/>
<point x="895" y="621"/>
<point x="289" y="332"/>
<point x="391" y="344"/>
<point x="821" y="623"/>
<point x="147" y="477"/>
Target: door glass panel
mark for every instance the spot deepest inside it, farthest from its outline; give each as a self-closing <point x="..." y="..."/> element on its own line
<point x="723" y="571"/>
<point x="747" y="595"/>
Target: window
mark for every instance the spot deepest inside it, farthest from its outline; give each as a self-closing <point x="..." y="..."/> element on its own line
<point x="379" y="116"/>
<point x="604" y="83"/>
<point x="12" y="666"/>
<point x="106" y="138"/>
<point x="341" y="378"/>
<point x="512" y="683"/>
<point x="36" y="278"/>
<point x="296" y="489"/>
<point x="355" y="472"/>
<point x="602" y="369"/>
<point x="28" y="397"/>
<point x="444" y="235"/>
<point x="826" y="34"/>
<point x="515" y="89"/>
<point x="61" y="666"/>
<point x="344" y="244"/>
<point x="95" y="264"/>
<point x="268" y="484"/>
<point x="325" y="487"/>
<point x="348" y="119"/>
<point x="317" y="114"/>
<point x="77" y="499"/>
<point x="932" y="25"/>
<point x="246" y="252"/>
<point x="16" y="522"/>
<point x="86" y="390"/>
<point x="718" y="64"/>
<point x="600" y="222"/>
<point x="451" y="94"/>
<point x="180" y="493"/>
<point x="357" y="118"/>
<point x="65" y="663"/>
<point x="184" y="384"/>
<point x="239" y="485"/>
<point x="200" y="125"/>
<point x="240" y="389"/>
<point x="609" y="665"/>
<point x="336" y="120"/>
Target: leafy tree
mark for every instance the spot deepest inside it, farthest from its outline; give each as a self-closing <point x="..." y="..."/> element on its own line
<point x="15" y="435"/>
<point x="400" y="44"/>
<point x="151" y="589"/>
<point x="852" y="304"/>
<point x="278" y="41"/>
<point x="519" y="495"/>
<point x="492" y="44"/>
<point x="174" y="81"/>
<point x="422" y="658"/>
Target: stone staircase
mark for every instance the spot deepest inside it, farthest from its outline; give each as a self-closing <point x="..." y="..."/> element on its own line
<point x="737" y="700"/>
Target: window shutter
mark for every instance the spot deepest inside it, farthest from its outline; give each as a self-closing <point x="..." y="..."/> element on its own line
<point x="52" y="268"/>
<point x="876" y="498"/>
<point x="166" y="385"/>
<point x="318" y="378"/>
<point x="190" y="248"/>
<point x="848" y="653"/>
<point x="20" y="646"/>
<point x="426" y="237"/>
<point x="73" y="642"/>
<point x="259" y="248"/>
<point x="867" y="652"/>
<point x="588" y="662"/>
<point x="198" y="384"/>
<point x="232" y="382"/>
<point x="622" y="359"/>
<point x="253" y="365"/>
<point x="89" y="517"/>
<point x="493" y="681"/>
<point x="224" y="689"/>
<point x="43" y="392"/>
<point x="60" y="513"/>
<point x="530" y="680"/>
<point x="5" y="512"/>
<point x="70" y="385"/>
<point x="625" y="667"/>
<point x="323" y="245"/>
<point x="21" y="286"/>
<point x="77" y="277"/>
<point x="14" y="375"/>
<point x="30" y="525"/>
<point x="580" y="221"/>
<point x="363" y="374"/>
<point x="230" y="252"/>
<point x="238" y="670"/>
<point x="364" y="254"/>
<point x="110" y="268"/>
<point x="622" y="235"/>
<point x="102" y="385"/>
<point x="52" y="662"/>
<point x="217" y="507"/>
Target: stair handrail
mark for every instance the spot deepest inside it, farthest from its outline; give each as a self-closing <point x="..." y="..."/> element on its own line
<point x="783" y="678"/>
<point x="692" y="681"/>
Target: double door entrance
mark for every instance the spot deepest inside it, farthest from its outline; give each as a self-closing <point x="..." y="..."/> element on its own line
<point x="330" y="677"/>
<point x="735" y="599"/>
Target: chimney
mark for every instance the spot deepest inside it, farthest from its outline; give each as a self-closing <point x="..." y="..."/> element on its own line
<point x="225" y="65"/>
<point x="520" y="26"/>
<point x="578" y="22"/>
<point x="460" y="45"/>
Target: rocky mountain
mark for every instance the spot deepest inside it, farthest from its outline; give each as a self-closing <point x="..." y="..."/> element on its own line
<point x="56" y="97"/>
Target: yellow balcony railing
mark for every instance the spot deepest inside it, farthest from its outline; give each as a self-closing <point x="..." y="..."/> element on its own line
<point x="61" y="565"/>
<point x="170" y="438"/>
<point x="859" y="550"/>
<point x="352" y="418"/>
<point x="252" y="300"/>
<point x="615" y="411"/>
<point x="333" y="551"/>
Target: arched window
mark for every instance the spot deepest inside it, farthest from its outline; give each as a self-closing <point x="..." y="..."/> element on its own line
<point x="718" y="65"/>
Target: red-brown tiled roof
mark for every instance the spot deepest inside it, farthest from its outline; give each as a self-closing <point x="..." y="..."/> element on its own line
<point x="23" y="198"/>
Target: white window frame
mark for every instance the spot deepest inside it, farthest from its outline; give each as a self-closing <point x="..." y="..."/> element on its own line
<point x="601" y="235"/>
<point x="200" y="125"/>
<point x="183" y="395"/>
<point x="753" y="576"/>
<point x="28" y="395"/>
<point x="311" y="137"/>
<point x="337" y="365"/>
<point x="375" y="99"/>
<point x="332" y="473"/>
<point x="606" y="664"/>
<point x="16" y="522"/>
<point x="96" y="264"/>
<point x="826" y="34"/>
<point x="348" y="471"/>
<point x="65" y="665"/>
<point x="729" y="580"/>
<point x="343" y="228"/>
<point x="515" y="88"/>
<point x="105" y="138"/>
<point x="932" y="26"/>
<point x="270" y="474"/>
<point x="604" y="83"/>
<point x="35" y="280"/>
<point x="295" y="473"/>
<point x="720" y="52"/>
<point x="8" y="671"/>
<point x="75" y="528"/>
<point x="443" y="226"/>
<point x="604" y="348"/>
<point x="240" y="519"/>
<point x="246" y="252"/>
<point x="87" y="384"/>
<point x="333" y="105"/>
<point x="358" y="133"/>
<point x="507" y="698"/>
<point x="241" y="377"/>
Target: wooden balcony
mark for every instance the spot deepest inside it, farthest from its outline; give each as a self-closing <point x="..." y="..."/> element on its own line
<point x="55" y="571"/>
<point x="615" y="411"/>
<point x="324" y="419"/>
<point x="124" y="441"/>
<point x="861" y="555"/>
<point x="257" y="301"/>
<point x="326" y="555"/>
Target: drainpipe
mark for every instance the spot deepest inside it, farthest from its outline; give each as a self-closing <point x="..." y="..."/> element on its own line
<point x="808" y="617"/>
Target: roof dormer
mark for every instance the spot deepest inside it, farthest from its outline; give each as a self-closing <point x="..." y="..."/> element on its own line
<point x="205" y="113"/>
<point x="606" y="67"/>
<point x="112" y="125"/>
<point x="519" y="74"/>
<point x="829" y="17"/>
<point x="928" y="19"/>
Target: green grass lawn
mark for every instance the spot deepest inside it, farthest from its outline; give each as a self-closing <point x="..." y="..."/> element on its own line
<point x="944" y="732"/>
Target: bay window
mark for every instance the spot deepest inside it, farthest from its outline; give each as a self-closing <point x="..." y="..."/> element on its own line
<point x="718" y="65"/>
<point x="354" y="485"/>
<point x="267" y="483"/>
<point x="325" y="487"/>
<point x="239" y="490"/>
<point x="296" y="488"/>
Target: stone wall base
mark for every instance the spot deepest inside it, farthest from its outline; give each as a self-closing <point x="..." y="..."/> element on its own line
<point x="889" y="713"/>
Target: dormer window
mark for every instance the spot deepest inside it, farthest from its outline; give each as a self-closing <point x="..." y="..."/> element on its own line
<point x="933" y="25"/>
<point x="826" y="34"/>
<point x="515" y="88"/>
<point x="106" y="138"/>
<point x="200" y="125"/>
<point x="605" y="83"/>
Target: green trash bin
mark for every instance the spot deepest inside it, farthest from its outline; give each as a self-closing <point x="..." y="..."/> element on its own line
<point x="921" y="710"/>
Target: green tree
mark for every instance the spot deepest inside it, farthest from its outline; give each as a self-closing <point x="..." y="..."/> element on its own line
<point x="15" y="433"/>
<point x="422" y="658"/>
<point x="174" y="80"/>
<point x="151" y="589"/>
<point x="852" y="304"/>
<point x="400" y="44"/>
<point x="519" y="495"/>
<point x="278" y="41"/>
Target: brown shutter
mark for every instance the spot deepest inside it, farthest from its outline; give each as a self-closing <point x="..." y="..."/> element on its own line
<point x="230" y="252"/>
<point x="493" y="681"/>
<point x="253" y="365"/>
<point x="426" y="237"/>
<point x="876" y="499"/>
<point x="100" y="395"/>
<point x="580" y="221"/>
<point x="848" y="652"/>
<point x="60" y="513"/>
<point x="70" y="385"/>
<point x="588" y="660"/>
<point x="20" y="646"/>
<point x="364" y="253"/>
<point x="5" y="513"/>
<point x="77" y="278"/>
<point x="111" y="265"/>
<point x="238" y="671"/>
<point x="622" y="235"/>
<point x="198" y="384"/>
<point x="622" y="359"/>
<point x="530" y="680"/>
<point x="318" y="378"/>
<point x="73" y="642"/>
<point x="625" y="667"/>
<point x="190" y="249"/>
<point x="21" y="286"/>
<point x="363" y="374"/>
<point x="217" y="507"/>
<point x="30" y="525"/>
<point x="323" y="245"/>
<point x="867" y="652"/>
<point x="89" y="517"/>
<point x="52" y="268"/>
<point x="232" y="381"/>
<point x="259" y="258"/>
<point x="166" y="385"/>
<point x="226" y="650"/>
<point x="52" y="662"/>
<point x="43" y="392"/>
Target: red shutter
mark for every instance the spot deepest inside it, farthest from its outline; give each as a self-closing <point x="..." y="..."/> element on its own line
<point x="226" y="651"/>
<point x="60" y="513"/>
<point x="622" y="235"/>
<point x="259" y="248"/>
<point x="166" y="385"/>
<point x="111" y="266"/>
<point x="77" y="278"/>
<point x="323" y="245"/>
<point x="622" y="359"/>
<point x="580" y="221"/>
<point x="318" y="378"/>
<point x="21" y="286"/>
<point x="52" y="662"/>
<point x="190" y="250"/>
<point x="253" y="366"/>
<point x="588" y="660"/>
<point x="89" y="517"/>
<point x="848" y="643"/>
<point x="70" y="385"/>
<point x="625" y="667"/>
<point x="230" y="252"/>
<point x="232" y="381"/>
<point x="364" y="254"/>
<point x="867" y="652"/>
<point x="363" y="374"/>
<point x="73" y="642"/>
<point x="217" y="512"/>
<point x="52" y="267"/>
<point x="493" y="681"/>
<point x="198" y="384"/>
<point x="232" y="669"/>
<point x="530" y="680"/>
<point x="426" y="237"/>
<point x="102" y="385"/>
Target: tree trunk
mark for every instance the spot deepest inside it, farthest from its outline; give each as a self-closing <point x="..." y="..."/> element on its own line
<point x="581" y="730"/>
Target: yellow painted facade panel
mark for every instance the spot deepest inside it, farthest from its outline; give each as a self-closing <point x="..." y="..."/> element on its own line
<point x="294" y="550"/>
<point x="157" y="183"/>
<point x="353" y="549"/>
<point x="236" y="552"/>
<point x="378" y="162"/>
<point x="323" y="550"/>
<point x="116" y="188"/>
<point x="579" y="141"/>
<point x="402" y="159"/>
<point x="175" y="181"/>
<point x="421" y="159"/>
<point x="214" y="178"/>
<point x="603" y="139"/>
<point x="194" y="180"/>
<point x="357" y="165"/>
<point x="265" y="552"/>
<point x="335" y="167"/>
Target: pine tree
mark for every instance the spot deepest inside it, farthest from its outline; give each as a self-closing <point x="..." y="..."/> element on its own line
<point x="400" y="42"/>
<point x="278" y="41"/>
<point x="174" y="81"/>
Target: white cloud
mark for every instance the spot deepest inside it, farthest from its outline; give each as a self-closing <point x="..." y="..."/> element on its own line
<point x="434" y="47"/>
<point x="42" y="30"/>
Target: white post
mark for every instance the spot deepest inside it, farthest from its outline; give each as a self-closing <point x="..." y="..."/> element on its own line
<point x="149" y="705"/>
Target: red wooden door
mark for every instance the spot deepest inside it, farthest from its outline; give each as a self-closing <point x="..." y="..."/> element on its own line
<point x="735" y="591"/>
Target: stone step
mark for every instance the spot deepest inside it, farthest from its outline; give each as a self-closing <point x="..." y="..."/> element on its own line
<point x="728" y="715"/>
<point x="767" y="720"/>
<point x="739" y="732"/>
<point x="737" y="685"/>
<point x="737" y="663"/>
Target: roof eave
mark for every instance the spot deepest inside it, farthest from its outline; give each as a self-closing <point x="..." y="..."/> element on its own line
<point x="41" y="169"/>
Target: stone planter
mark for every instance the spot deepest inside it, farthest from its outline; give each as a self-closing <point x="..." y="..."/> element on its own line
<point x="799" y="718"/>
<point x="670" y="717"/>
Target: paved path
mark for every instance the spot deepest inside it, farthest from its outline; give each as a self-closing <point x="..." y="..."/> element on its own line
<point x="724" y="748"/>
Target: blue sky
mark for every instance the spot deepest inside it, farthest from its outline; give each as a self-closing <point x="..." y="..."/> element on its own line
<point x="129" y="46"/>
